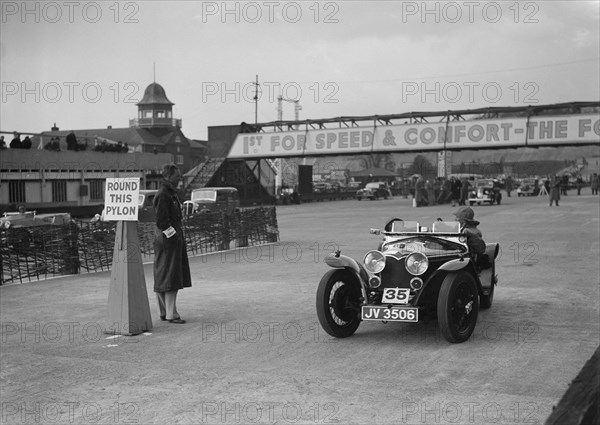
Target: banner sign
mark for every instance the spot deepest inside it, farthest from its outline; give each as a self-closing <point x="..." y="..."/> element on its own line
<point x="497" y="133"/>
<point x="121" y="199"/>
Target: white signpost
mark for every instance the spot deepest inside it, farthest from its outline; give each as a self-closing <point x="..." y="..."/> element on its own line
<point x="128" y="306"/>
<point x="121" y="199"/>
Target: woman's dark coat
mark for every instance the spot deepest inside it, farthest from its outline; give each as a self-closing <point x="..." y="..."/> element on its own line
<point x="171" y="266"/>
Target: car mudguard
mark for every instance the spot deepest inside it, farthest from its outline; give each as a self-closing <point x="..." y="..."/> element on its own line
<point x="338" y="261"/>
<point x="452" y="266"/>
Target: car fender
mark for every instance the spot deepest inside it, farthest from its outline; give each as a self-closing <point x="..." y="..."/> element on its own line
<point x="450" y="267"/>
<point x="454" y="265"/>
<point x="338" y="261"/>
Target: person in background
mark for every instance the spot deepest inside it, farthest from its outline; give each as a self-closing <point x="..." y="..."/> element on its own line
<point x="456" y="186"/>
<point x="595" y="181"/>
<point x="171" y="265"/>
<point x="420" y="192"/>
<point x="464" y="192"/>
<point x="579" y="184"/>
<point x="429" y="186"/>
<point x="508" y="185"/>
<point x="555" y="190"/>
<point x="16" y="143"/>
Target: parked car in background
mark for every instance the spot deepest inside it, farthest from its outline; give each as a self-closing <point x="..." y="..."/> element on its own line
<point x="374" y="190"/>
<point x="485" y="191"/>
<point x="213" y="199"/>
<point x="21" y="227"/>
<point x="528" y="187"/>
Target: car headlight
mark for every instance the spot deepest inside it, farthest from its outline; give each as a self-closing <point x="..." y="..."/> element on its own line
<point x="374" y="261"/>
<point x="7" y="224"/>
<point x="416" y="263"/>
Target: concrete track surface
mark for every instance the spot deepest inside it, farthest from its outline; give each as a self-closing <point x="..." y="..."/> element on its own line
<point x="252" y="350"/>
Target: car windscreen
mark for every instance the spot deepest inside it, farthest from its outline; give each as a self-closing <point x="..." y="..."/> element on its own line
<point x="204" y="195"/>
<point x="425" y="245"/>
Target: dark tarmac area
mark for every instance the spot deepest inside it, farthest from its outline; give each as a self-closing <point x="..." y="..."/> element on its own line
<point x="252" y="350"/>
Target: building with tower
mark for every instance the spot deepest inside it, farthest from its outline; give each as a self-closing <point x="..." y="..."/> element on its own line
<point x="62" y="179"/>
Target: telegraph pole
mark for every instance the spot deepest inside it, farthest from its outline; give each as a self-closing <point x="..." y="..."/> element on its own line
<point x="256" y="100"/>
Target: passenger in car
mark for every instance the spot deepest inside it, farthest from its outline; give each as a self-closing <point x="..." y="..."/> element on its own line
<point x="465" y="216"/>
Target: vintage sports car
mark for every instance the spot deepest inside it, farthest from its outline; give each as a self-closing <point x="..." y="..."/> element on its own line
<point x="416" y="273"/>
<point x="485" y="191"/>
<point x="374" y="190"/>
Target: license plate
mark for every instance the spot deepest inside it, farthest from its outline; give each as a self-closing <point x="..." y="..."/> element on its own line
<point x="390" y="314"/>
<point x="395" y="296"/>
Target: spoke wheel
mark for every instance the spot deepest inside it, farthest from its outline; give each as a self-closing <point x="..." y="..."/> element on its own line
<point x="458" y="306"/>
<point x="338" y="306"/>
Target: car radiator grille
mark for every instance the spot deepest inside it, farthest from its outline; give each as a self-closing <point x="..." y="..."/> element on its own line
<point x="394" y="275"/>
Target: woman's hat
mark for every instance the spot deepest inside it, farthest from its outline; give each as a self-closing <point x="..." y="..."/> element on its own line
<point x="465" y="213"/>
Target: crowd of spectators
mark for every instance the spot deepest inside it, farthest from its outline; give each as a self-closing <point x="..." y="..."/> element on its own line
<point x="441" y="190"/>
<point x="16" y="142"/>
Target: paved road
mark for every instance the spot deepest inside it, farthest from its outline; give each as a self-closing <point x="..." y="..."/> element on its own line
<point x="253" y="352"/>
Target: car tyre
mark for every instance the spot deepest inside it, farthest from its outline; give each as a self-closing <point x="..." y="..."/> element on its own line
<point x="338" y="303"/>
<point x="458" y="306"/>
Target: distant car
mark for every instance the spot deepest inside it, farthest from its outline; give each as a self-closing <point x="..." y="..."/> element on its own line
<point x="374" y="190"/>
<point x="319" y="187"/>
<point x="20" y="227"/>
<point x="207" y="199"/>
<point x="485" y="191"/>
<point x="528" y="187"/>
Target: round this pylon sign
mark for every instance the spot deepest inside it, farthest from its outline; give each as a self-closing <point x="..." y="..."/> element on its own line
<point x="121" y="199"/>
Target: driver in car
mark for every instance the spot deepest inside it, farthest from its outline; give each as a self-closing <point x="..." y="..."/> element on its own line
<point x="465" y="216"/>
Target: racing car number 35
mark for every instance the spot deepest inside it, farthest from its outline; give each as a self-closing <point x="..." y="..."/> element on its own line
<point x="395" y="296"/>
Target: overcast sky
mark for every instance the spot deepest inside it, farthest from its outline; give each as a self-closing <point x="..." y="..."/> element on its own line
<point x="85" y="64"/>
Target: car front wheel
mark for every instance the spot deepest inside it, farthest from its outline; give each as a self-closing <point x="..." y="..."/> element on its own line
<point x="458" y="306"/>
<point x="338" y="305"/>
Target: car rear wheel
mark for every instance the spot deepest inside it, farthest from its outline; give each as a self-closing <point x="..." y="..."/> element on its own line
<point x="338" y="304"/>
<point x="458" y="306"/>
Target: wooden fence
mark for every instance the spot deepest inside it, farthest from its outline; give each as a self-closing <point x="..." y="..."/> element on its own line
<point x="36" y="253"/>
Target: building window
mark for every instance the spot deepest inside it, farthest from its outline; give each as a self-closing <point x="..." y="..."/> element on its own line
<point x="177" y="139"/>
<point x="179" y="159"/>
<point x="16" y="192"/>
<point x="96" y="190"/>
<point x="59" y="191"/>
<point x="147" y="114"/>
<point x="160" y="114"/>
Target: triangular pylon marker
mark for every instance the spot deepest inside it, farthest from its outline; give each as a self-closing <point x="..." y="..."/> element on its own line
<point x="128" y="306"/>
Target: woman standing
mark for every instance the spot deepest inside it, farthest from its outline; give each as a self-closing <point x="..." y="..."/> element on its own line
<point x="171" y="266"/>
<point x="555" y="190"/>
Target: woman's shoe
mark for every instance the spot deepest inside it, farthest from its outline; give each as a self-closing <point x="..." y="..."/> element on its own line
<point x="180" y="320"/>
<point x="163" y="318"/>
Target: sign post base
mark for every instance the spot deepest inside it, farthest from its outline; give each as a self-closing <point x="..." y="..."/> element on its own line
<point x="128" y="306"/>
